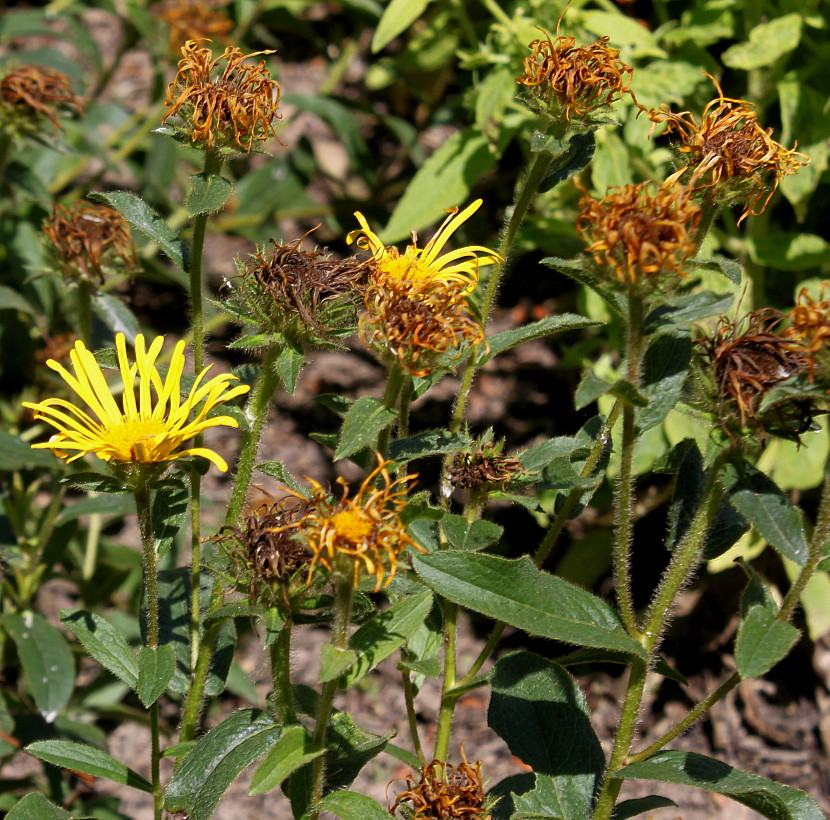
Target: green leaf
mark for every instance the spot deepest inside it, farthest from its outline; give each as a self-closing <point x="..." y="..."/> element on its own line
<point x="789" y="251"/>
<point x="665" y="370"/>
<point x="762" y="641"/>
<point x="578" y="270"/>
<point x="539" y="710"/>
<point x="681" y="312"/>
<point x="35" y="806"/>
<point x="293" y="750"/>
<point x="350" y="748"/>
<point x="578" y="657"/>
<point x="549" y="326"/>
<point x="334" y="662"/>
<point x="78" y="757"/>
<point x="155" y="670"/>
<point x="540" y="455"/>
<point x="721" y="264"/>
<point x="443" y="181"/>
<point x="46" y="660"/>
<point x="217" y="759"/>
<point x="142" y="217"/>
<point x="397" y="17"/>
<point x="278" y="470"/>
<point x="429" y="443"/>
<point x="570" y="157"/>
<point x="107" y="504"/>
<point x="169" y="511"/>
<point x="10" y="299"/>
<point x="385" y="632"/>
<point x="94" y="483"/>
<point x="365" y="419"/>
<point x="516" y="592"/>
<point x="759" y="500"/>
<point x="16" y="454"/>
<point x="767" y="797"/>
<point x="209" y="192"/>
<point x="767" y="43"/>
<point x="289" y="364"/>
<point x="104" y="643"/>
<point x="640" y="805"/>
<point x="472" y="536"/>
<point x="116" y="315"/>
<point x="353" y="806"/>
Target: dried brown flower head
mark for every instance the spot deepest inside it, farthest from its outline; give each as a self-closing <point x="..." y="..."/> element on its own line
<point x="482" y="468"/>
<point x="29" y="92"/>
<point x="444" y="792"/>
<point x="268" y="552"/>
<point x="363" y="532"/>
<point x="417" y="323"/>
<point x="810" y="327"/>
<point x="638" y="232"/>
<point x="748" y="363"/>
<point x="192" y="20"/>
<point x="579" y="79"/>
<point x="91" y="240"/>
<point x="231" y="110"/>
<point x="296" y="282"/>
<point x="729" y="146"/>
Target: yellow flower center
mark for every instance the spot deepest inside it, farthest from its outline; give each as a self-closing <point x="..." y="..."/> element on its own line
<point x="353" y="525"/>
<point x="406" y="268"/>
<point x="131" y="438"/>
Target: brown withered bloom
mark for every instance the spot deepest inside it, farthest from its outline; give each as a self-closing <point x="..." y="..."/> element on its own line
<point x="32" y="92"/>
<point x="638" y="231"/>
<point x="267" y="551"/>
<point x="90" y="240"/>
<point x="192" y="20"/>
<point x="482" y="468"/>
<point x="579" y="79"/>
<point x="728" y="147"/>
<point x="748" y="362"/>
<point x="810" y="327"/>
<point x="417" y="323"/>
<point x="229" y="110"/>
<point x="362" y="534"/>
<point x="444" y="792"/>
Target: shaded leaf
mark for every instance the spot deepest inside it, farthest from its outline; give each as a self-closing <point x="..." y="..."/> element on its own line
<point x="640" y="805"/>
<point x="430" y="443"/>
<point x="116" y="315"/>
<point x="364" y="420"/>
<point x="35" y="806"/>
<point x="549" y="326"/>
<point x="293" y="750"/>
<point x="472" y="536"/>
<point x="353" y="806"/>
<point x="209" y="192"/>
<point x="762" y="641"/>
<point x="16" y="454"/>
<point x="155" y="670"/>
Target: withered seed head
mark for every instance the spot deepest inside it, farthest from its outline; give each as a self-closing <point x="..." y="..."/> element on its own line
<point x="747" y="364"/>
<point x="577" y="79"/>
<point x="91" y="241"/>
<point x="417" y="323"/>
<point x="192" y="20"/>
<point x="810" y="329"/>
<point x="444" y="792"/>
<point x="482" y="468"/>
<point x="728" y="149"/>
<point x="31" y="93"/>
<point x="637" y="232"/>
<point x="229" y="111"/>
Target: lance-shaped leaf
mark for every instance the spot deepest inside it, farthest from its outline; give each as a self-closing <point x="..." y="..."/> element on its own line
<point x="539" y="710"/>
<point x="640" y="805"/>
<point x="762" y="641"/>
<point x="217" y="759"/>
<point x="209" y="192"/>
<point x="35" y="806"/>
<point x="549" y="326"/>
<point x="116" y="315"/>
<point x="429" y="443"/>
<point x="767" y="797"/>
<point x="78" y="757"/>
<point x="353" y="806"/>
<point x="516" y="592"/>
<point x="155" y="669"/>
<point x="364" y="420"/>
<point x="104" y="643"/>
<point x="294" y="749"/>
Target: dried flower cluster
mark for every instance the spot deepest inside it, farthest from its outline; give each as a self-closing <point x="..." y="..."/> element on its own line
<point x="231" y="110"/>
<point x="363" y="532"/>
<point x="578" y="79"/>
<point x="748" y="363"/>
<point x="444" y="792"/>
<point x="482" y="468"/>
<point x="638" y="232"/>
<point x="192" y="20"/>
<point x="810" y="327"/>
<point x="30" y="93"/>
<point x="269" y="552"/>
<point x="91" y="240"/>
<point x="729" y="146"/>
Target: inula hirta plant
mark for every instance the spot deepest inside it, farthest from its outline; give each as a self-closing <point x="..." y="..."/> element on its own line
<point x="223" y="102"/>
<point x="31" y="95"/>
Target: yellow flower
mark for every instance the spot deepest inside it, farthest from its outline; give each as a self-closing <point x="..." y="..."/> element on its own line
<point x="146" y="429"/>
<point x="424" y="265"/>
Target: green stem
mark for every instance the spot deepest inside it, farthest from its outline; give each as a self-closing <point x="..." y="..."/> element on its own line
<point x="282" y="694"/>
<point x="193" y="701"/>
<point x="624" y="491"/>
<point x="448" y="699"/>
<point x="257" y="411"/>
<point x="93" y="539"/>
<point x="409" y="697"/>
<point x="155" y="774"/>
<point x="195" y="567"/>
<point x="343" y="593"/>
<point x="395" y="381"/>
<point x="820" y="537"/>
<point x="5" y="149"/>
<point x="84" y="293"/>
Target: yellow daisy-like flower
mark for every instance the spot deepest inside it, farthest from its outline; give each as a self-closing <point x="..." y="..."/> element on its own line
<point x="145" y="429"/>
<point x="424" y="265"/>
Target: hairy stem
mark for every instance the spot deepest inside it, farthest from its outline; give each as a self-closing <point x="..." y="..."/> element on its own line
<point x="282" y="694"/>
<point x="397" y="379"/>
<point x="448" y="698"/>
<point x="409" y="697"/>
